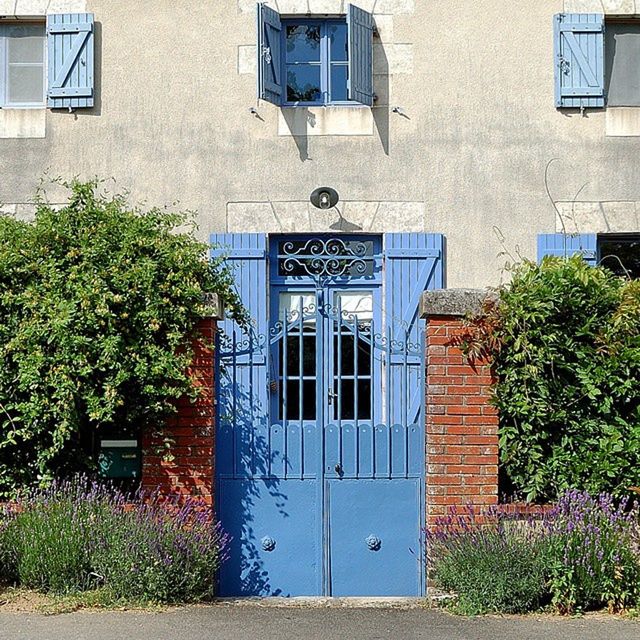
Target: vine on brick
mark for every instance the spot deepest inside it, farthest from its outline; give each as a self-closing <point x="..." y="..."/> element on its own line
<point x="564" y="341"/>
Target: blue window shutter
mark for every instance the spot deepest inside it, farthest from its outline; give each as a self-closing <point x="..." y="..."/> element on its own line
<point x="360" y="26"/>
<point x="579" y="59"/>
<point x="243" y="401"/>
<point x="70" y="44"/>
<point x="269" y="55"/>
<point x="414" y="262"/>
<point x="565" y="245"/>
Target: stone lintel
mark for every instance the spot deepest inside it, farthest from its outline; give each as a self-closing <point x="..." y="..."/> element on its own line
<point x="456" y="303"/>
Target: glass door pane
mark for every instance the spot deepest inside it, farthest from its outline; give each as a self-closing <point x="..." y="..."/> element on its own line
<point x="297" y="353"/>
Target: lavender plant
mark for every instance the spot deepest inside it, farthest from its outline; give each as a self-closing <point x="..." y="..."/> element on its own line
<point x="594" y="553"/>
<point x="584" y="553"/>
<point x="498" y="566"/>
<point x="161" y="552"/>
<point x="78" y="535"/>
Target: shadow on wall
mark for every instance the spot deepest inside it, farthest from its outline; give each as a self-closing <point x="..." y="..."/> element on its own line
<point x="293" y="117"/>
<point x="381" y="84"/>
<point x="300" y="119"/>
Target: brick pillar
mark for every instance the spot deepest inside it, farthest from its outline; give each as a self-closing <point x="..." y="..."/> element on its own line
<point x="462" y="426"/>
<point x="190" y="469"/>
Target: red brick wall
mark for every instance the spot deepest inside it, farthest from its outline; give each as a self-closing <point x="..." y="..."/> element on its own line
<point x="462" y="427"/>
<point x="192" y="433"/>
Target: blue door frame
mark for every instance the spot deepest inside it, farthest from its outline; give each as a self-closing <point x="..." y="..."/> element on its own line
<point x="321" y="499"/>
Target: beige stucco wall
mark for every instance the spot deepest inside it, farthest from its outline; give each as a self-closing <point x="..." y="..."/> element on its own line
<point x="466" y="157"/>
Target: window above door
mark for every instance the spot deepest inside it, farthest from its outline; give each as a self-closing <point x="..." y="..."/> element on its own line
<point x="315" y="61"/>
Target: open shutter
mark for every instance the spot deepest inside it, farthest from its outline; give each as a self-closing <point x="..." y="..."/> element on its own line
<point x="564" y="245"/>
<point x="70" y="43"/>
<point x="360" y="25"/>
<point x="413" y="264"/>
<point x="243" y="402"/>
<point x="579" y="59"/>
<point x="269" y="55"/>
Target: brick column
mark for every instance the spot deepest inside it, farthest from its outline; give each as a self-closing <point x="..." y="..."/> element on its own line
<point x="189" y="467"/>
<point x="462" y="426"/>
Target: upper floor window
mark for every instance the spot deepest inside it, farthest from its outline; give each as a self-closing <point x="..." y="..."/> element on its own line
<point x="22" y="65"/>
<point x="316" y="61"/>
<point x="306" y="61"/>
<point x="622" y="52"/>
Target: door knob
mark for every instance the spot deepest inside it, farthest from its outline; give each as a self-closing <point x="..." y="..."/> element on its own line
<point x="338" y="468"/>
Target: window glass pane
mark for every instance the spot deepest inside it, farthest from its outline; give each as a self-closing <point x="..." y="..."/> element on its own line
<point x="621" y="255"/>
<point x="339" y="74"/>
<point x="358" y="303"/>
<point x="309" y="400"/>
<point x="293" y="355"/>
<point x="26" y="49"/>
<point x="303" y="83"/>
<point x="364" y="399"/>
<point x="25" y="84"/>
<point x="293" y="400"/>
<point x="338" y="39"/>
<point x="622" y="55"/>
<point x="303" y="43"/>
<point x="290" y="304"/>
<point x="346" y="400"/>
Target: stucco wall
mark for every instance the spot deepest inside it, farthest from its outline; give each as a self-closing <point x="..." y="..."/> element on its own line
<point x="466" y="157"/>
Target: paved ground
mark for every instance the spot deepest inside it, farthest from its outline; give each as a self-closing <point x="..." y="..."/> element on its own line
<point x="295" y="623"/>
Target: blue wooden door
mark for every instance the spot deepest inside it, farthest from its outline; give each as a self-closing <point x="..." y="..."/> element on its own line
<point x="320" y="442"/>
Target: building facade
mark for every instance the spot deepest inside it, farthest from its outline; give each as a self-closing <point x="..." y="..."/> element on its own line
<point x="344" y="157"/>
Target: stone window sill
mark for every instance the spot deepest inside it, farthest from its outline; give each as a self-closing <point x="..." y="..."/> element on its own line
<point x="23" y="123"/>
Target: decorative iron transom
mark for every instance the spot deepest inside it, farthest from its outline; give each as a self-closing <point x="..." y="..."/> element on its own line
<point x="331" y="258"/>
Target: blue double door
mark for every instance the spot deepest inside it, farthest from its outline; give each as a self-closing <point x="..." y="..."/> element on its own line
<point x="320" y="438"/>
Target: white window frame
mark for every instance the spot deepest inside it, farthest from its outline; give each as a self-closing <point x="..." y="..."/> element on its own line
<point x="4" y="71"/>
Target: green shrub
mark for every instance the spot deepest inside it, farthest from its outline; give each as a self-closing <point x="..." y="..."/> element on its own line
<point x="564" y="339"/>
<point x="98" y="303"/>
<point x="499" y="567"/>
<point x="78" y="536"/>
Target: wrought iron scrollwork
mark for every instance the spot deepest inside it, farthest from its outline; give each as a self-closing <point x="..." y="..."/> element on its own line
<point x="325" y="258"/>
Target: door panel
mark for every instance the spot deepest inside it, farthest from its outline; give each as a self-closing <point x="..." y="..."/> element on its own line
<point x="374" y="537"/>
<point x="273" y="524"/>
<point x="320" y="437"/>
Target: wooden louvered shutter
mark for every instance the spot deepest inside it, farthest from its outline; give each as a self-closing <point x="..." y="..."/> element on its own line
<point x="360" y="26"/>
<point x="269" y="55"/>
<point x="243" y="401"/>
<point x="70" y="44"/>
<point x="565" y="245"/>
<point x="579" y="60"/>
<point x="414" y="262"/>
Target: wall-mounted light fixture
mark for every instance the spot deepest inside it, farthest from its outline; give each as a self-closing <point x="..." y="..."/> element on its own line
<point x="325" y="198"/>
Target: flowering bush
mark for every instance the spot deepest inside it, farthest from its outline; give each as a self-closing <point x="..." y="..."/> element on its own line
<point x="582" y="554"/>
<point x="77" y="535"/>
